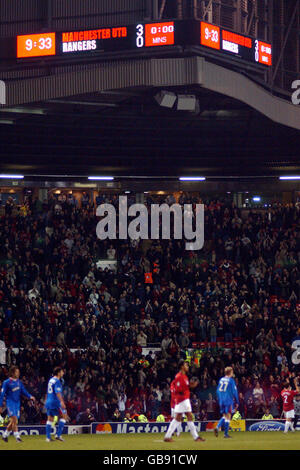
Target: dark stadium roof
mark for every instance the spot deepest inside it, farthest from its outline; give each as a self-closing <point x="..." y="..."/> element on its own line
<point x="126" y="132"/>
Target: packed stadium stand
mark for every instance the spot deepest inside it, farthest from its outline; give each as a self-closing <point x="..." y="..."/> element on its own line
<point x="162" y="101"/>
<point x="119" y="334"/>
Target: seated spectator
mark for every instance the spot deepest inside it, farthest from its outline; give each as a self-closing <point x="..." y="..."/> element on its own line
<point x="116" y="416"/>
<point x="258" y="394"/>
<point x="267" y="415"/>
<point x="111" y="253"/>
<point x="141" y="339"/>
<point x="129" y="419"/>
<point x="210" y="407"/>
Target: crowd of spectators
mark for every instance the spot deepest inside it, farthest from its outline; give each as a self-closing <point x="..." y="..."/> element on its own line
<point x="237" y="300"/>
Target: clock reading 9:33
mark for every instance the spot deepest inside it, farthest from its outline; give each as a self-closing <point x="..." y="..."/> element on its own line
<point x="34" y="45"/>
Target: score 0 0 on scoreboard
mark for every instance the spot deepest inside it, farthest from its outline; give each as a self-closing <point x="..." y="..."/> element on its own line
<point x="145" y="35"/>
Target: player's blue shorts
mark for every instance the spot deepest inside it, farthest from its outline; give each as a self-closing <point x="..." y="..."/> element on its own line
<point x="13" y="409"/>
<point x="53" y="410"/>
<point x="226" y="408"/>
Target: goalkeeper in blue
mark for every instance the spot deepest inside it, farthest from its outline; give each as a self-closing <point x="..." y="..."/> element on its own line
<point x="228" y="400"/>
<point x="11" y="391"/>
<point x="55" y="405"/>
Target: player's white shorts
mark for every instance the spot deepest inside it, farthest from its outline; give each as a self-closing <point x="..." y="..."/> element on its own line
<point x="173" y="413"/>
<point x="183" y="407"/>
<point x="289" y="414"/>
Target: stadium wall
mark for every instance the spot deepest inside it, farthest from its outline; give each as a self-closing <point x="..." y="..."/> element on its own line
<point x="137" y="428"/>
<point x="39" y="430"/>
<point x="29" y="16"/>
<point x="201" y="426"/>
<point x="154" y="428"/>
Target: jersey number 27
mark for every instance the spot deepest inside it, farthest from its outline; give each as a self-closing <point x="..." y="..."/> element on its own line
<point x="223" y="386"/>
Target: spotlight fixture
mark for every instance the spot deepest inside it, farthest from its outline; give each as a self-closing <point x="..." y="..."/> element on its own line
<point x="192" y="178"/>
<point x="166" y="98"/>
<point x="12" y="177"/>
<point x="187" y="103"/>
<point x="291" y="178"/>
<point x="101" y="178"/>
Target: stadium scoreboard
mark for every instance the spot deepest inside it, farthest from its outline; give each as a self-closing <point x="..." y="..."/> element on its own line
<point x="143" y="36"/>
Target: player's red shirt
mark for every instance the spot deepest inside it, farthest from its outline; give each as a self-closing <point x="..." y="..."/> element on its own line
<point x="288" y="399"/>
<point x="182" y="388"/>
<point x="172" y="390"/>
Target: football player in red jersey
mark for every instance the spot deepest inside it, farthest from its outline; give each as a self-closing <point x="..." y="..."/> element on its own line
<point x="172" y="390"/>
<point x="182" y="403"/>
<point x="287" y="396"/>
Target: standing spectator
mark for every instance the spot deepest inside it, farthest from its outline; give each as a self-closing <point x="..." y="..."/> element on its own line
<point x="210" y="407"/>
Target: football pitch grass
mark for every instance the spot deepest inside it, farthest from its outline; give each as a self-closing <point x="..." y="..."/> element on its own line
<point x="240" y="441"/>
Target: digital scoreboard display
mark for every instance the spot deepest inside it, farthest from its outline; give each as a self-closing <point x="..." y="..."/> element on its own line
<point x="143" y="36"/>
<point x="159" y="34"/>
<point x="97" y="40"/>
<point x="238" y="45"/>
<point x="210" y="35"/>
<point x="91" y="40"/>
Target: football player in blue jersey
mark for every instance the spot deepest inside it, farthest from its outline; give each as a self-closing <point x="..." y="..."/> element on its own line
<point x="228" y="400"/>
<point x="12" y="389"/>
<point x="55" y="405"/>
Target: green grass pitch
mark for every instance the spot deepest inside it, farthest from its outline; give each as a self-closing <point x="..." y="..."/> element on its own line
<point x="239" y="441"/>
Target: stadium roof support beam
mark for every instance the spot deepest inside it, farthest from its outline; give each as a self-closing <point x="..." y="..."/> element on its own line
<point x="49" y="14"/>
<point x="250" y="21"/>
<point x="155" y="9"/>
<point x="162" y="8"/>
<point x="149" y="10"/>
<point x="292" y="18"/>
<point x="2" y="93"/>
<point x="180" y="9"/>
<point x="157" y="73"/>
<point x="207" y="9"/>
